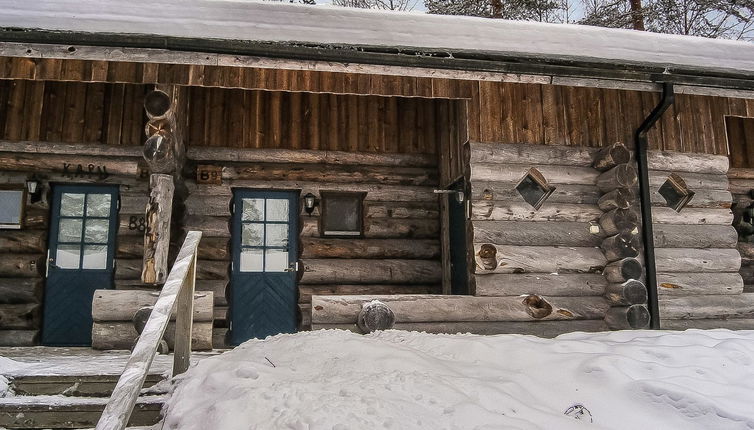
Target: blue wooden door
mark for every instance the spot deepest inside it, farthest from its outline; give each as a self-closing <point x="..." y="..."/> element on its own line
<point x="83" y="225"/>
<point x="263" y="293"/>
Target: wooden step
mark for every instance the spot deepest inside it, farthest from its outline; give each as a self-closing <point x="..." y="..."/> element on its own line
<point x="70" y="385"/>
<point x="62" y="412"/>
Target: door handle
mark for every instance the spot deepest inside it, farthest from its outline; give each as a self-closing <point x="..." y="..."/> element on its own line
<point x="292" y="268"/>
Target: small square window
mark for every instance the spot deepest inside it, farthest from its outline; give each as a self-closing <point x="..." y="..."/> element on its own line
<point x="342" y="213"/>
<point x="675" y="192"/>
<point x="534" y="189"/>
<point x="11" y="208"/>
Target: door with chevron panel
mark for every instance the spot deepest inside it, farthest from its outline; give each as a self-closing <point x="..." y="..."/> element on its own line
<point x="84" y="220"/>
<point x="263" y="292"/>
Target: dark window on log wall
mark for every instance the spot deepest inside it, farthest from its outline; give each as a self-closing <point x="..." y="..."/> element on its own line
<point x="11" y="207"/>
<point x="675" y="192"/>
<point x="740" y="141"/>
<point x="342" y="213"/>
<point x="534" y="189"/>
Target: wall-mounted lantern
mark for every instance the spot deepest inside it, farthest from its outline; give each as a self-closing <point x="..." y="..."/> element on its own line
<point x="33" y="188"/>
<point x="310" y="202"/>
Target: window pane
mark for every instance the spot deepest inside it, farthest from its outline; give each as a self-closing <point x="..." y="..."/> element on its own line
<point x="342" y="214"/>
<point x="72" y="204"/>
<point x="277" y="260"/>
<point x="253" y="210"/>
<point x="70" y="230"/>
<point x="95" y="257"/>
<point x="10" y="206"/>
<point x="96" y="230"/>
<point x="251" y="234"/>
<point x="98" y="205"/>
<point x="67" y="256"/>
<point x="277" y="209"/>
<point x="277" y="235"/>
<point x="251" y="260"/>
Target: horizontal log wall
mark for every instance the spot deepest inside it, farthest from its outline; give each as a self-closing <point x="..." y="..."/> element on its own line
<point x="697" y="261"/>
<point x="552" y="252"/>
<point x="399" y="253"/>
<point x="23" y="252"/>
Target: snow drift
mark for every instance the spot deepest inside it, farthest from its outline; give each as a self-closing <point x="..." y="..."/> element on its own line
<point x="337" y="380"/>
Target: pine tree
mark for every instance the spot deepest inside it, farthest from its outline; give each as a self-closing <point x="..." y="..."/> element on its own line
<point x="405" y="5"/>
<point x="529" y="10"/>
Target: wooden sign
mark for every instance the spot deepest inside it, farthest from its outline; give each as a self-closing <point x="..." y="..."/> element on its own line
<point x="209" y="174"/>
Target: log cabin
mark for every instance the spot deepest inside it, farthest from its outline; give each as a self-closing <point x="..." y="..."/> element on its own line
<point x="365" y="170"/>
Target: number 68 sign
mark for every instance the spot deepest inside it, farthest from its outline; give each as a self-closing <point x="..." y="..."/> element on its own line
<point x="208" y="174"/>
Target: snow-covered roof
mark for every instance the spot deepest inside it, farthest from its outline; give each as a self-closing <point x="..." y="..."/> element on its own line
<point x="283" y="23"/>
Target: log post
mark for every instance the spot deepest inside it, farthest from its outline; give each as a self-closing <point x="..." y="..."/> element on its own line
<point x="619" y="198"/>
<point x="157" y="234"/>
<point x="618" y="220"/>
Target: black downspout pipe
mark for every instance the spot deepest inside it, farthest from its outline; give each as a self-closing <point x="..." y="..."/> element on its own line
<point x="668" y="97"/>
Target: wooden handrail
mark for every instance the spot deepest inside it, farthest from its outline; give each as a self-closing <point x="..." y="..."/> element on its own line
<point x="178" y="288"/>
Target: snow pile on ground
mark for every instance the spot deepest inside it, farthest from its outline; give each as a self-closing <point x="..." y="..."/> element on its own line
<point x="337" y="380"/>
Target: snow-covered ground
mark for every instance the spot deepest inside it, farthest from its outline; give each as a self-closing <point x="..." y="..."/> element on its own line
<point x="337" y="380"/>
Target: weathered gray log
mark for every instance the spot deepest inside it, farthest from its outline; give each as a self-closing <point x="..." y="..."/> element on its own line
<point x="665" y="215"/>
<point x="130" y="270"/>
<point x="19" y="317"/>
<point x="530" y="154"/>
<point x="695" y="284"/>
<point x="277" y="171"/>
<point x="623" y="270"/>
<point x="157" y="234"/>
<point x="37" y="147"/>
<point x="631" y="292"/>
<point x="71" y="166"/>
<point x="701" y="307"/>
<point x="141" y="317"/>
<point x="21" y="265"/>
<point x="537" y="259"/>
<point x="214" y="248"/>
<point x="619" y="198"/>
<point x="565" y="285"/>
<point x="428" y="308"/>
<point x="515" y="211"/>
<point x="688" y="162"/>
<point x="375" y="192"/>
<point x="487" y="172"/>
<point x="505" y="191"/>
<point x="708" y="324"/>
<point x="546" y="329"/>
<point x="315" y="247"/>
<point x="629" y="317"/>
<point x="375" y="316"/>
<point x="536" y="233"/>
<point x="19" y="337"/>
<point x="694" y="236"/>
<point x="695" y="181"/>
<point x="709" y="199"/>
<point x="23" y="241"/>
<point x="746" y="249"/>
<point x="19" y="291"/>
<point x="385" y="228"/>
<point x="364" y="271"/>
<point x="121" y="305"/>
<point x="618" y="220"/>
<point x="311" y="157"/>
<point x="305" y="292"/>
<point x="611" y="156"/>
<point x="622" y="245"/>
<point x="686" y="260"/>
<point x="121" y="335"/>
<point x="621" y="176"/>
